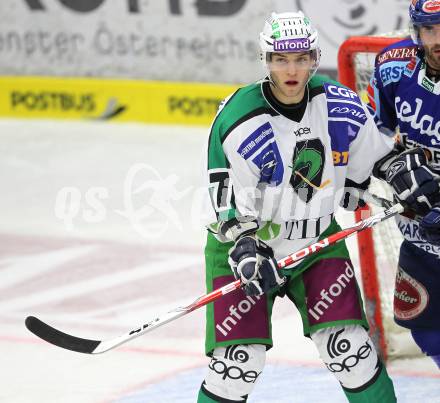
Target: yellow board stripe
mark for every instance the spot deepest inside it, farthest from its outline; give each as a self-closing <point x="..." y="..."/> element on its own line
<point x="118" y="100"/>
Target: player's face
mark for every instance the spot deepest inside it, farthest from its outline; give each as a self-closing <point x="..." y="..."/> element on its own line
<point x="290" y="73"/>
<point x="430" y="37"/>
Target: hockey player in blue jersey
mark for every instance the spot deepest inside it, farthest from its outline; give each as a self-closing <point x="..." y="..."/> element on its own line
<point x="405" y="94"/>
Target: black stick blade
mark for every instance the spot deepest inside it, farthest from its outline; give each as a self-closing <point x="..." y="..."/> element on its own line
<point x="60" y="339"/>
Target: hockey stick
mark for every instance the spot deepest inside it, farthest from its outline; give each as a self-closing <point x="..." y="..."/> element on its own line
<point x="88" y="346"/>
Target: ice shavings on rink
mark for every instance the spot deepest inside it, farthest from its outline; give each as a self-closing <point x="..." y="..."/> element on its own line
<point x="283" y="384"/>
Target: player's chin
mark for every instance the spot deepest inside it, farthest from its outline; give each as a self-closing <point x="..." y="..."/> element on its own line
<point x="292" y="87"/>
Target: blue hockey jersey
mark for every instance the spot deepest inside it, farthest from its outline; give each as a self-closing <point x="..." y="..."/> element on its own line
<point x="403" y="99"/>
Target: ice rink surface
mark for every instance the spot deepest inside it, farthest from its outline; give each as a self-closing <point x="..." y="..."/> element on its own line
<point x="100" y="232"/>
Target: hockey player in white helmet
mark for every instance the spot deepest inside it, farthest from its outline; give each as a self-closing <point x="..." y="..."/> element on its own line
<point x="282" y="155"/>
<point x="287" y="41"/>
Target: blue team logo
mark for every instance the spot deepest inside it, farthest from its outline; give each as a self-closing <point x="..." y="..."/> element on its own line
<point x="263" y="150"/>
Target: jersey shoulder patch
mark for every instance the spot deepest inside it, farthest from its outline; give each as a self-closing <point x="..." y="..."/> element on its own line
<point x="337" y="92"/>
<point x="403" y="50"/>
<point x="244" y="104"/>
<point x="395" y="60"/>
<point x="346" y="116"/>
<point x="261" y="148"/>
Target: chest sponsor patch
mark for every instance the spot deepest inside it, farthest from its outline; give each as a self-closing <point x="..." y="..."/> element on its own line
<point x="347" y="111"/>
<point x="396" y="54"/>
<point x="416" y="118"/>
<point x="391" y="72"/>
<point x="256" y="140"/>
<point x="337" y="92"/>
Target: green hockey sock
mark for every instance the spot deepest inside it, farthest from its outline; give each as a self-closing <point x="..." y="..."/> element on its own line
<point x="204" y="397"/>
<point x="380" y="390"/>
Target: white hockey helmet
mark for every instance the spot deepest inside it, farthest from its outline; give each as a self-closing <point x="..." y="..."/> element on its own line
<point x="289" y="32"/>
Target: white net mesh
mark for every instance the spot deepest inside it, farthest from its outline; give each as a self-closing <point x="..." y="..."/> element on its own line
<point x="387" y="238"/>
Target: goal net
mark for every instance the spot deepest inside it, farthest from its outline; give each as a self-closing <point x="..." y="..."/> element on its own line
<point x="378" y="247"/>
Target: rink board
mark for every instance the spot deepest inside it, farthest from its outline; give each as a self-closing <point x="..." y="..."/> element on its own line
<point x="108" y="99"/>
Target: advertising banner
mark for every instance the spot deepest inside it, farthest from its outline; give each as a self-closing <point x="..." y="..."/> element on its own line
<point x="105" y="99"/>
<point x="171" y="40"/>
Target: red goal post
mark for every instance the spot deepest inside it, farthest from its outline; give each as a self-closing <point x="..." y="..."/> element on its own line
<point x="349" y="75"/>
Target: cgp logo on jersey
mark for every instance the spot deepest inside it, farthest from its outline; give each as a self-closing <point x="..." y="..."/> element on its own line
<point x="336" y="20"/>
<point x="410" y="297"/>
<point x="341" y="93"/>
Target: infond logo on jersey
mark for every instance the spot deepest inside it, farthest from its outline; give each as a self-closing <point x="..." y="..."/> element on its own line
<point x="287" y="45"/>
<point x="234" y="317"/>
<point x="334" y="290"/>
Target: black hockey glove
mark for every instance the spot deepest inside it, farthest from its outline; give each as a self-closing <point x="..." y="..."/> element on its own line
<point x="430" y="226"/>
<point x="352" y="197"/>
<point x="253" y="262"/>
<point x="413" y="182"/>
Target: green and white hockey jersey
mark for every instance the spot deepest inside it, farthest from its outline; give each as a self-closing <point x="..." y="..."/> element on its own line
<point x="287" y="167"/>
